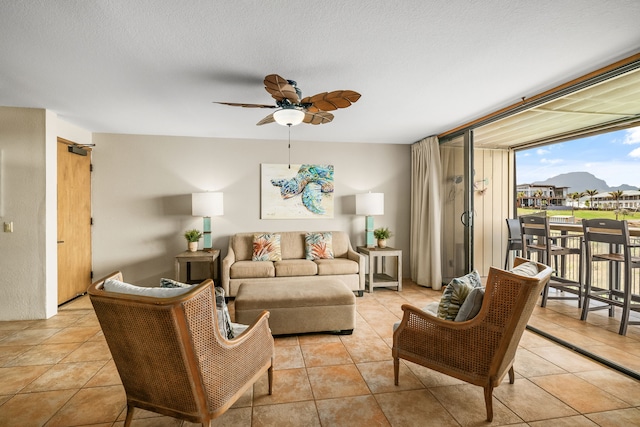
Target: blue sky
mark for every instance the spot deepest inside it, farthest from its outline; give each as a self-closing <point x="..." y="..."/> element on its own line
<point x="613" y="157"/>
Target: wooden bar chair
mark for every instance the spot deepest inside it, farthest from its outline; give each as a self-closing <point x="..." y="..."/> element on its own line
<point x="616" y="235"/>
<point x="552" y="251"/>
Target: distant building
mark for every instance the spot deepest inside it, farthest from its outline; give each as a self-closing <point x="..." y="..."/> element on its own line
<point x="541" y="196"/>
<point x="630" y="200"/>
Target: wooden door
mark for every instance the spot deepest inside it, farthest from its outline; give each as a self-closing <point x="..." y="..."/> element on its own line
<point x="74" y="222"/>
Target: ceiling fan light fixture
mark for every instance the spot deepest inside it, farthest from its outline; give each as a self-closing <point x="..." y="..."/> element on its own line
<point x="288" y="116"/>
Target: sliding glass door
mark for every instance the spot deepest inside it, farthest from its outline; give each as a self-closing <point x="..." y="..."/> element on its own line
<point x="457" y="225"/>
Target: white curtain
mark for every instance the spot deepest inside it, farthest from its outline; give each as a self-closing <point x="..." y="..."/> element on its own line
<point x="426" y="213"/>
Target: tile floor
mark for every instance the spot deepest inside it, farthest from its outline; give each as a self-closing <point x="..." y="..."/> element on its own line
<point x="58" y="372"/>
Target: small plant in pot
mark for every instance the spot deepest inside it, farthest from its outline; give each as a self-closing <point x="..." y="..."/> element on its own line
<point x="192" y="236"/>
<point x="382" y="234"/>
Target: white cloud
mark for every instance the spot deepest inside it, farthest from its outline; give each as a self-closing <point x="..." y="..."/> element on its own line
<point x="635" y="153"/>
<point x="632" y="137"/>
<point x="551" y="161"/>
<point x="542" y="151"/>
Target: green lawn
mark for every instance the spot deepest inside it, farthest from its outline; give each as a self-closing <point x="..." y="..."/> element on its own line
<point x="583" y="214"/>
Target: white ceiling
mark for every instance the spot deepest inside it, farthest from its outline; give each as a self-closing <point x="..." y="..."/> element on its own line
<point x="422" y="67"/>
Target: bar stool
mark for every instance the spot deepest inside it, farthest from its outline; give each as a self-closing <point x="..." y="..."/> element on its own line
<point x="514" y="242"/>
<point x="616" y="234"/>
<point x="536" y="233"/>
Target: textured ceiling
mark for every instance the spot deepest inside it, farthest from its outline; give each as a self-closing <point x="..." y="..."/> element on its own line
<point x="422" y="67"/>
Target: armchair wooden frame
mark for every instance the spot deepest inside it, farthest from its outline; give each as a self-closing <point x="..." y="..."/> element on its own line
<point x="480" y="351"/>
<point x="172" y="358"/>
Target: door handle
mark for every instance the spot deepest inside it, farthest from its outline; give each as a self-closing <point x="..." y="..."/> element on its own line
<point x="60" y="241"/>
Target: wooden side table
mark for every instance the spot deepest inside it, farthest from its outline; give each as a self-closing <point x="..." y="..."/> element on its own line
<point x="376" y="274"/>
<point x="186" y="257"/>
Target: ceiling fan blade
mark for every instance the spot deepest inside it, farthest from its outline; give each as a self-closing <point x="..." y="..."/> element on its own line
<point x="237" y="104"/>
<point x="280" y="89"/>
<point x="266" y="120"/>
<point x="329" y="101"/>
<point x="319" y="118"/>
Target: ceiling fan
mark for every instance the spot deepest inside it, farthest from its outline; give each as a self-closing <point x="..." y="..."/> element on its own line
<point x="292" y="110"/>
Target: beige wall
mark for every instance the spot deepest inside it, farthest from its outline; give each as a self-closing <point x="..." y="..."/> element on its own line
<point x="142" y="188"/>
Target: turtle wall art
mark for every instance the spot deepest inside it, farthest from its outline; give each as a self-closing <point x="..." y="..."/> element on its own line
<point x="302" y="191"/>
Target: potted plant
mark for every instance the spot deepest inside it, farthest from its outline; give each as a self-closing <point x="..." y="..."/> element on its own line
<point x="382" y="234"/>
<point x="192" y="237"/>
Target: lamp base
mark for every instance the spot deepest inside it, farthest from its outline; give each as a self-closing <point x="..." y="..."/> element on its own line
<point x="370" y="242"/>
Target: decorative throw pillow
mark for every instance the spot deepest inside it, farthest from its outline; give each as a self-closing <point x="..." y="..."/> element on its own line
<point x="318" y="246"/>
<point x="170" y="283"/>
<point x="112" y="285"/>
<point x="266" y="247"/>
<point x="455" y="293"/>
<point x="224" y="319"/>
<point x="528" y="269"/>
<point x="471" y="305"/>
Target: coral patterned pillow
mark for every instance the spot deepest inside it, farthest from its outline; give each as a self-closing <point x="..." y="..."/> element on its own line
<point x="266" y="247"/>
<point x="318" y="246"/>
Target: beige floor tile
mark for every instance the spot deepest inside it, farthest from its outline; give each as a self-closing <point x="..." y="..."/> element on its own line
<point x="286" y="341"/>
<point x="305" y="339"/>
<point x="28" y="337"/>
<point x="336" y="381"/>
<point x="83" y="407"/>
<point x="15" y="325"/>
<point x="379" y="377"/>
<point x="44" y="354"/>
<point x="530" y="402"/>
<point x="575" y="421"/>
<point x="566" y="359"/>
<point x="529" y="364"/>
<point x="579" y="394"/>
<point x="246" y="400"/>
<point x="295" y="414"/>
<point x="107" y="375"/>
<point x="88" y="352"/>
<point x="65" y="376"/>
<point x="73" y="334"/>
<point x="620" y="386"/>
<point x="33" y="409"/>
<point x="367" y="349"/>
<point x="414" y="408"/>
<point x="358" y="411"/>
<point x="10" y="352"/>
<point x="326" y="354"/>
<point x="620" y="417"/>
<point x="429" y="377"/>
<point x="240" y="417"/>
<point x="291" y="385"/>
<point x="15" y="378"/>
<point x="288" y="357"/>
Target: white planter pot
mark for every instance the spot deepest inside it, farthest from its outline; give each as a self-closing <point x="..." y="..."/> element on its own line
<point x="193" y="246"/>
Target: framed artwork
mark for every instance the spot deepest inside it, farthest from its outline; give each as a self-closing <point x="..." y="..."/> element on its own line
<point x="296" y="191"/>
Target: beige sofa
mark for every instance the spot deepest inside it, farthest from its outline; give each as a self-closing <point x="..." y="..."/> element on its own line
<point x="348" y="266"/>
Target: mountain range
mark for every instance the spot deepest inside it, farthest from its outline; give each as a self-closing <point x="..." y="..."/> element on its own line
<point x="582" y="181"/>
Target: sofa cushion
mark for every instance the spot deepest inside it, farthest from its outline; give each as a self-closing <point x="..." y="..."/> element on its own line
<point x="252" y="269"/>
<point x="455" y="293"/>
<point x="318" y="246"/>
<point x="112" y="285"/>
<point x="295" y="267"/>
<point x="266" y="247"/>
<point x="292" y="243"/>
<point x="327" y="267"/>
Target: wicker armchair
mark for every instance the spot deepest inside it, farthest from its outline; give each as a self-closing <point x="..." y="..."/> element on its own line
<point x="171" y="356"/>
<point x="479" y="351"/>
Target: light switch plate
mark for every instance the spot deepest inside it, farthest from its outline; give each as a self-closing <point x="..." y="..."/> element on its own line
<point x="8" y="227"/>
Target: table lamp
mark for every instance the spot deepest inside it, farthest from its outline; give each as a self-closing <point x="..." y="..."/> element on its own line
<point x="369" y="204"/>
<point x="207" y="205"/>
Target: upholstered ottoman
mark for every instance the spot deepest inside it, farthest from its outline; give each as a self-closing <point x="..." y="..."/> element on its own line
<point x="318" y="306"/>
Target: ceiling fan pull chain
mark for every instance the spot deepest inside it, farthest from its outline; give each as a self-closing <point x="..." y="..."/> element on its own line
<point x="289" y="126"/>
